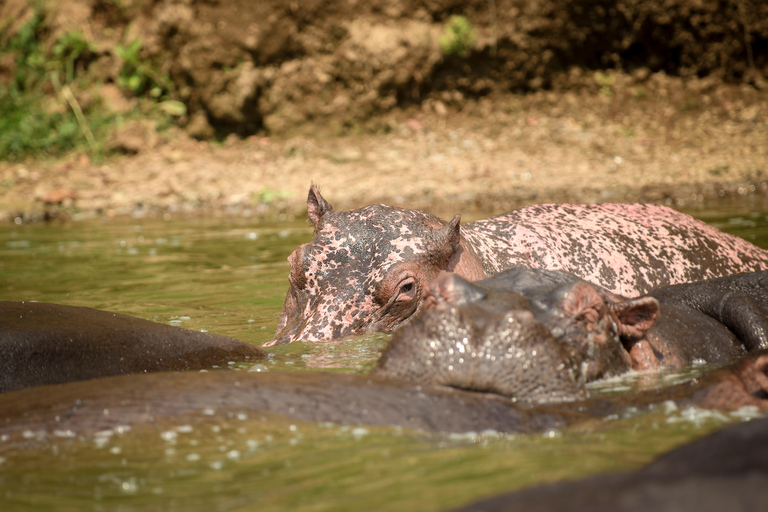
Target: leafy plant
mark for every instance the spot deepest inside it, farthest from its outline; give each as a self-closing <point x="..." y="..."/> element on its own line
<point x="39" y="110"/>
<point x="68" y="49"/>
<point x="139" y="76"/>
<point x="31" y="121"/>
<point x="30" y="61"/>
<point x="459" y="37"/>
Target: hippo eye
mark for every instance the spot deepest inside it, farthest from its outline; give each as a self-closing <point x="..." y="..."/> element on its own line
<point x="406" y="289"/>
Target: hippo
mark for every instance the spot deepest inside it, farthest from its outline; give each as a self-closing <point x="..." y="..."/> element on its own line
<point x="44" y="344"/>
<point x="368" y="269"/>
<point x="552" y="322"/>
<point x="160" y="400"/>
<point x="727" y="470"/>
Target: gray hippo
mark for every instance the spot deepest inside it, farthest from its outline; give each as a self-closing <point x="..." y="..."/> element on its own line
<point x="368" y="269"/>
<point x="727" y="470"/>
<point x="159" y="400"/>
<point x="51" y="343"/>
<point x="506" y="331"/>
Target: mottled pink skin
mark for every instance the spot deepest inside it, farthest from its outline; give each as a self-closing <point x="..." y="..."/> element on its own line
<point x="626" y="248"/>
<point x="342" y="280"/>
<point x="344" y="267"/>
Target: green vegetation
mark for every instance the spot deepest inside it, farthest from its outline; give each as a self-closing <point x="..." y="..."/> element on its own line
<point x="459" y="37"/>
<point x="606" y="83"/>
<point x="40" y="115"/>
<point x="31" y="122"/>
<point x="268" y="196"/>
<point x="139" y="76"/>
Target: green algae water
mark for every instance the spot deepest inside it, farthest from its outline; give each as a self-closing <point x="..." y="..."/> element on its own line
<point x="229" y="276"/>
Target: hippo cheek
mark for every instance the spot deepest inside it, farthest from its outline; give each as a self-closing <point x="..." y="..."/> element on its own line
<point x="393" y="317"/>
<point x="290" y="319"/>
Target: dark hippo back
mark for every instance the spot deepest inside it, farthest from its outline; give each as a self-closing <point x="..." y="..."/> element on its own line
<point x="738" y="302"/>
<point x="51" y="344"/>
<point x="727" y="470"/>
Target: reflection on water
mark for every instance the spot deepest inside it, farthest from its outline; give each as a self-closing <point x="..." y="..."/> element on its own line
<point x="229" y="276"/>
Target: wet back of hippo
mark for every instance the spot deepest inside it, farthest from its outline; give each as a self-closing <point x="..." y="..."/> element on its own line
<point x="627" y="248"/>
<point x="44" y="344"/>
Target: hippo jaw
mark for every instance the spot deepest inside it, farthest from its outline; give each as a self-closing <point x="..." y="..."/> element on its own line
<point x="366" y="270"/>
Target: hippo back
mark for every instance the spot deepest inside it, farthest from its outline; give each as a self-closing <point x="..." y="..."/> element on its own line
<point x="626" y="248"/>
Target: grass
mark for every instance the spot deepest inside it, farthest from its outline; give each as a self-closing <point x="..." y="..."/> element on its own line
<point x="40" y="115"/>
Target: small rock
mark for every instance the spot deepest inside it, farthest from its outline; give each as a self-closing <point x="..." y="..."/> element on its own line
<point x="414" y="125"/>
<point x="440" y="109"/>
<point x="199" y="127"/>
<point x="113" y="100"/>
<point x="133" y="137"/>
<point x="58" y="196"/>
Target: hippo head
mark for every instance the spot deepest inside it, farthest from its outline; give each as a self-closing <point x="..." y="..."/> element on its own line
<point x="364" y="270"/>
<point x="487" y="337"/>
<point x="474" y="338"/>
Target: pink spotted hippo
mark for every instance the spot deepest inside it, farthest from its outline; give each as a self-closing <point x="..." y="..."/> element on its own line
<point x="369" y="269"/>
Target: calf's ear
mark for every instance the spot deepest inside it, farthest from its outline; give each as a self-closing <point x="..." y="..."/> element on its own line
<point x="448" y="289"/>
<point x="635" y="316"/>
<point x="581" y="302"/>
<point x="316" y="205"/>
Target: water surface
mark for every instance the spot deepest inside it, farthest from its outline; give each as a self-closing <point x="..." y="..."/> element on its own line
<point x="229" y="276"/>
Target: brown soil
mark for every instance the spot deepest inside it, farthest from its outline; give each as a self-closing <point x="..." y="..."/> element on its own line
<point x="558" y="100"/>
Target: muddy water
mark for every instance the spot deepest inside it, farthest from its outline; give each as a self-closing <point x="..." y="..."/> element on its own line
<point x="229" y="276"/>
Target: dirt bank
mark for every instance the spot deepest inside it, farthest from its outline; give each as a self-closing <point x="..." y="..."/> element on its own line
<point x="491" y="156"/>
<point x="560" y="100"/>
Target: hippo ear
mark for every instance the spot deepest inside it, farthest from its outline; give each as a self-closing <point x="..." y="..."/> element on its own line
<point x="635" y="316"/>
<point x="316" y="205"/>
<point x="451" y="232"/>
<point x="448" y="289"/>
<point x="582" y="302"/>
<point x="445" y="241"/>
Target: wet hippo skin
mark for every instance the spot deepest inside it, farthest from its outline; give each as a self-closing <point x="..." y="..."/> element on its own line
<point x="715" y="320"/>
<point x="160" y="399"/>
<point x="52" y="343"/>
<point x="727" y="470"/>
<point x="369" y="269"/>
<point x="539" y="333"/>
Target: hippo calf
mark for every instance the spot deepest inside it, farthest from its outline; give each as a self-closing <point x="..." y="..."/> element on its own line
<point x="540" y="334"/>
<point x="368" y="269"/>
<point x="50" y="344"/>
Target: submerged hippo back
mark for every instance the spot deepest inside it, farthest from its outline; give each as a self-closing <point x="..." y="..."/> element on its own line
<point x="44" y="344"/>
